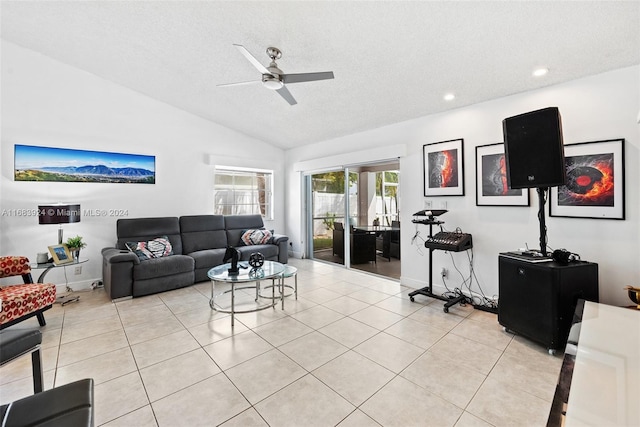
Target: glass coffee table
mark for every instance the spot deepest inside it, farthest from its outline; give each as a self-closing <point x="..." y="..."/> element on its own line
<point x="247" y="275"/>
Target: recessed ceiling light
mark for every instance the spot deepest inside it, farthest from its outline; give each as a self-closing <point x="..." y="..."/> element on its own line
<point x="539" y="72"/>
<point x="449" y="97"/>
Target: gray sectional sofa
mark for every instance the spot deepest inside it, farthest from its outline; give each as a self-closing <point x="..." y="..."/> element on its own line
<point x="197" y="243"/>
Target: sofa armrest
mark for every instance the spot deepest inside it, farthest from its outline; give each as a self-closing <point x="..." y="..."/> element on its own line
<point x="277" y="238"/>
<point x="114" y="255"/>
<point x="117" y="272"/>
<point x="282" y="242"/>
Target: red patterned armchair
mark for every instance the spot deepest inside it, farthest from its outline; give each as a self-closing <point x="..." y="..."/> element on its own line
<point x="22" y="301"/>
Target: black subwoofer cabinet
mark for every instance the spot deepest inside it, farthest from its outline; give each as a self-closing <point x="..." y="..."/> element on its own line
<point x="537" y="300"/>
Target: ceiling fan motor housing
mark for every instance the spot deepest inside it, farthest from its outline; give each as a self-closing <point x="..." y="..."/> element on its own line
<point x="272" y="82"/>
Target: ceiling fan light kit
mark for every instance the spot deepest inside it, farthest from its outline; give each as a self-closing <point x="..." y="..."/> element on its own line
<point x="273" y="78"/>
<point x="271" y="82"/>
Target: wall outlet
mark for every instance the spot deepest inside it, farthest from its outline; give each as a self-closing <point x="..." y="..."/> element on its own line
<point x="428" y="204"/>
<point x="78" y="270"/>
<point x="443" y="205"/>
<point x="444" y="272"/>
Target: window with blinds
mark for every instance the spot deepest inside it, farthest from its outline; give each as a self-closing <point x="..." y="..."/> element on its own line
<point x="239" y="191"/>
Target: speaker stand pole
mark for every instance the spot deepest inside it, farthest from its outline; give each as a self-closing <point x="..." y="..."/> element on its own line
<point x="542" y="191"/>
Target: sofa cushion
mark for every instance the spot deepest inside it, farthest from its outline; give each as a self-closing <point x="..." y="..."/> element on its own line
<point x="140" y="229"/>
<point x="256" y="237"/>
<point x="236" y="224"/>
<point x="208" y="258"/>
<point x="159" y="267"/>
<point x="19" y="300"/>
<point x="154" y="248"/>
<point x="200" y="232"/>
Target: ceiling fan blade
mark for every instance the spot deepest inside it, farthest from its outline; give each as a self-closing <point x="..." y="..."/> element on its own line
<point x="240" y="83"/>
<point x="284" y="92"/>
<point x="306" y="77"/>
<point x="252" y="59"/>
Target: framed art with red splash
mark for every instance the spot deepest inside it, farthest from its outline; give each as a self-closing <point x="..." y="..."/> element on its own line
<point x="443" y="166"/>
<point x="491" y="179"/>
<point x="595" y="181"/>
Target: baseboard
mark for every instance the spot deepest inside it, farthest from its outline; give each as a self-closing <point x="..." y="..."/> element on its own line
<point x="294" y="254"/>
<point x="82" y="285"/>
<point x="419" y="284"/>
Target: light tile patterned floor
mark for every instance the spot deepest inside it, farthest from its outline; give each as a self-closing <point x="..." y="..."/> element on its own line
<point x="351" y="351"/>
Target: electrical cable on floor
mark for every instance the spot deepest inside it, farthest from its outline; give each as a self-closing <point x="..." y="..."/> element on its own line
<point x="467" y="283"/>
<point x="487" y="302"/>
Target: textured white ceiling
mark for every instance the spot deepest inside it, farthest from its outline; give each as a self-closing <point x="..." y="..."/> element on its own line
<point x="392" y="60"/>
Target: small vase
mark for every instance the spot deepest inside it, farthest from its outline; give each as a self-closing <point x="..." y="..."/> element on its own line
<point x="76" y="254"/>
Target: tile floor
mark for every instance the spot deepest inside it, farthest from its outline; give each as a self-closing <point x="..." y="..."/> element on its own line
<point x="351" y="351"/>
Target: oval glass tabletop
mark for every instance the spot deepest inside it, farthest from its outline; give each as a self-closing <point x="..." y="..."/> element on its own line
<point x="246" y="274"/>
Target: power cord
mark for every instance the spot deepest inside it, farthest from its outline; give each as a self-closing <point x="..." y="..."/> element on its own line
<point x="467" y="283"/>
<point x="420" y="244"/>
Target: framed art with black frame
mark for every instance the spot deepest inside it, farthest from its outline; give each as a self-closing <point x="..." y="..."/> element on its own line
<point x="595" y="182"/>
<point x="443" y="167"/>
<point x="491" y="179"/>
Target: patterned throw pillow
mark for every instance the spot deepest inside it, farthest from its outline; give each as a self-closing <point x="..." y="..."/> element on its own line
<point x="155" y="248"/>
<point x="256" y="237"/>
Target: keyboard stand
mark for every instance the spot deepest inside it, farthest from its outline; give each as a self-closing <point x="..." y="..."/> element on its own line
<point x="428" y="290"/>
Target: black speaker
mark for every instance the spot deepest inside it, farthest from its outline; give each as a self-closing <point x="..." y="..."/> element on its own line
<point x="537" y="300"/>
<point x="534" y="150"/>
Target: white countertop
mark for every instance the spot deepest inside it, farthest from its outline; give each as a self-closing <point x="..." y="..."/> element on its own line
<point x="605" y="388"/>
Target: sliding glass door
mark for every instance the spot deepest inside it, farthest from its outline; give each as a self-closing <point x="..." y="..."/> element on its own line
<point x="329" y="218"/>
<point x="355" y="221"/>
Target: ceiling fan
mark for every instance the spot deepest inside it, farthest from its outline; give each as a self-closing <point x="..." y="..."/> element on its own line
<point x="273" y="78"/>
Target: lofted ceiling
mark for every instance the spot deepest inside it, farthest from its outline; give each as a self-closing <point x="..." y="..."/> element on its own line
<point x="393" y="60"/>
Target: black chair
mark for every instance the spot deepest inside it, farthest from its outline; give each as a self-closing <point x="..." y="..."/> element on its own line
<point x="15" y="343"/>
<point x="363" y="248"/>
<point x="338" y="239"/>
<point x="69" y="405"/>
<point x="394" y="240"/>
<point x="363" y="244"/>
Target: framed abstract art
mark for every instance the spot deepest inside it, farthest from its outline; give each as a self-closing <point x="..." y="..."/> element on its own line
<point x="595" y="182"/>
<point x="443" y="167"/>
<point x="491" y="179"/>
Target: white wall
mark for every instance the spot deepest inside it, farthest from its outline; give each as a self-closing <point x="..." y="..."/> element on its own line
<point x="595" y="108"/>
<point x="47" y="103"/>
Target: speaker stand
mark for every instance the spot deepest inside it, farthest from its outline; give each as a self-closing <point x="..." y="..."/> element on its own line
<point x="542" y="199"/>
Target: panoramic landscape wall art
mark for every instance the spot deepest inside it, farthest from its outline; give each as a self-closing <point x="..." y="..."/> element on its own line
<point x="33" y="163"/>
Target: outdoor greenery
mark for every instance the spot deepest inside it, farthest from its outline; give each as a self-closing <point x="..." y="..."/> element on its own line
<point x="332" y="182"/>
<point x="329" y="221"/>
<point x="390" y="191"/>
<point x="322" y="243"/>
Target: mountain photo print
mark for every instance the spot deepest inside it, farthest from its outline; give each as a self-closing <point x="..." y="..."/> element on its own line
<point x="32" y="163"/>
